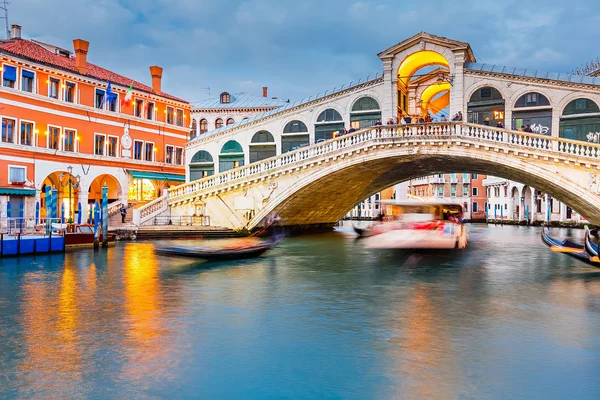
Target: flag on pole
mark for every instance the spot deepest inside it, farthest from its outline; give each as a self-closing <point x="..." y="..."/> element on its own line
<point x="109" y="95"/>
<point x="128" y="96"/>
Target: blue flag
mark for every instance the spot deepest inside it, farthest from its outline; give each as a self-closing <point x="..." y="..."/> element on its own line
<point x="109" y="95"/>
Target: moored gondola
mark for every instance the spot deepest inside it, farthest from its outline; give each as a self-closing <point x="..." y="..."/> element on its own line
<point x="232" y="252"/>
<point x="587" y="252"/>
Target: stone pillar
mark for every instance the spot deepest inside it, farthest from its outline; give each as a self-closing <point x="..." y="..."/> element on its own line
<point x="457" y="102"/>
<point x="545" y="210"/>
<point x="507" y="116"/>
<point x="563" y="211"/>
<point x="388" y="106"/>
<point x="522" y="208"/>
<point x="555" y="121"/>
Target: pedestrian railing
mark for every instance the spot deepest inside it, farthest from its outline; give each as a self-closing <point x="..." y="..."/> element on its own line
<point x="410" y="132"/>
<point x="181" y="220"/>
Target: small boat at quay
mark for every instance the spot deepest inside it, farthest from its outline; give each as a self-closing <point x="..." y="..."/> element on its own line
<point x="418" y="224"/>
<point x="586" y="252"/>
<point x="237" y="249"/>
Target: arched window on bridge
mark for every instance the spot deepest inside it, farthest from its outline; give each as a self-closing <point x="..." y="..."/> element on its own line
<point x="365" y="113"/>
<point x="538" y="118"/>
<point x="194" y="130"/>
<point x="231" y="156"/>
<point x="203" y="126"/>
<point x="295" y="135"/>
<point x="580" y="120"/>
<point x="262" y="146"/>
<point x="486" y="104"/>
<point x="230" y="121"/>
<point x="329" y="123"/>
<point x="218" y="123"/>
<point x="201" y="165"/>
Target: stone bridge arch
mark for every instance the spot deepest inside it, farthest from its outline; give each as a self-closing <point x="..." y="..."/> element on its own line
<point x="327" y="193"/>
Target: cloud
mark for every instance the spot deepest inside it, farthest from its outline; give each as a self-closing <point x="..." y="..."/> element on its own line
<point x="302" y="47"/>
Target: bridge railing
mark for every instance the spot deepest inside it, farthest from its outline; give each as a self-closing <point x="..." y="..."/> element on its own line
<point x="417" y="131"/>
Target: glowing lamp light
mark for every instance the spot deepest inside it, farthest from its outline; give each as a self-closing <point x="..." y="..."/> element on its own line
<point x="77" y="137"/>
<point x="155" y="149"/>
<point x="36" y="131"/>
<point x="47" y="80"/>
<point x="46" y="133"/>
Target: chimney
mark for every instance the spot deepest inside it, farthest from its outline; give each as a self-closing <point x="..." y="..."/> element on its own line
<point x="156" y="73"/>
<point x="81" y="49"/>
<point x="265" y="91"/>
<point x="15" y="32"/>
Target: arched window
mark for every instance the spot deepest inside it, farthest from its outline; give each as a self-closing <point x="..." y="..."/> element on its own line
<point x="218" y="123"/>
<point x="202" y="165"/>
<point x="295" y="127"/>
<point x="203" y="126"/>
<point x="231" y="156"/>
<point x="329" y="115"/>
<point x="581" y="106"/>
<point x="263" y="137"/>
<point x="532" y="99"/>
<point x="194" y="131"/>
<point x="225" y="98"/>
<point x="245" y="118"/>
<point x="365" y="113"/>
<point x="580" y="120"/>
<point x="365" y="104"/>
<point x="232" y="146"/>
<point x="230" y="121"/>
<point x="329" y="124"/>
<point x="486" y="107"/>
<point x="202" y="156"/>
<point x="262" y="146"/>
<point x="539" y="120"/>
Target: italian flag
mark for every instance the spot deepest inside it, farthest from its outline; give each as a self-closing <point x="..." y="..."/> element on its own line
<point x="128" y="96"/>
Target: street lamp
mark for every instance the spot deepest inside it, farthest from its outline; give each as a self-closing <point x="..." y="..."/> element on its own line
<point x="72" y="183"/>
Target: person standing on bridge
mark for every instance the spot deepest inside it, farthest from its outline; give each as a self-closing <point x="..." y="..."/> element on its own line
<point x="123" y="213"/>
<point x="486" y="122"/>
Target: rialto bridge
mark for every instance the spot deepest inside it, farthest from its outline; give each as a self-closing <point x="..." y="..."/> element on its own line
<point x="289" y="160"/>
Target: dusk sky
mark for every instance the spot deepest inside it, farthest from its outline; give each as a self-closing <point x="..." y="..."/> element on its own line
<point x="302" y="47"/>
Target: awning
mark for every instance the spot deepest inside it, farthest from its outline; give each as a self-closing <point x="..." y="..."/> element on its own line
<point x="7" y="191"/>
<point x="157" y="176"/>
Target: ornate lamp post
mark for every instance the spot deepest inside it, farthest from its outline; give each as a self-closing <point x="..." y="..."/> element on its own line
<point x="72" y="182"/>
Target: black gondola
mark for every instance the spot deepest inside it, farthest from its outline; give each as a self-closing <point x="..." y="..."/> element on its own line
<point x="587" y="252"/>
<point x="223" y="254"/>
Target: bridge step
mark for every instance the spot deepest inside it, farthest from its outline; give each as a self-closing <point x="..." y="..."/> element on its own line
<point x="175" y="232"/>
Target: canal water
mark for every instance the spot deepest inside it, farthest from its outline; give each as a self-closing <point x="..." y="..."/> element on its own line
<point x="319" y="317"/>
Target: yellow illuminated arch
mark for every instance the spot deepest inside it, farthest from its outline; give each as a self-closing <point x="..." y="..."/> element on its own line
<point x="416" y="61"/>
<point x="430" y="93"/>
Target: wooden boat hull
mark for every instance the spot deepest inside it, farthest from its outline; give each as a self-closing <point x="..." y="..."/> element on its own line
<point x="219" y="254"/>
<point x="84" y="239"/>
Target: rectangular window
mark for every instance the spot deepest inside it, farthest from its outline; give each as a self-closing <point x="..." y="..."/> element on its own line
<point x="169" y="115"/>
<point x="69" y="140"/>
<point x="138" y="108"/>
<point x="179" y="156"/>
<point x="53" y="88"/>
<point x="99" y="141"/>
<point x="149" y="152"/>
<point x="474" y="208"/>
<point x="16" y="174"/>
<point x="466" y="178"/>
<point x="453" y="191"/>
<point x="169" y="155"/>
<point x="53" y="137"/>
<point x="137" y="149"/>
<point x="70" y="92"/>
<point x="112" y="146"/>
<point x="474" y="191"/>
<point x="113" y="103"/>
<point x="473" y="176"/>
<point x="27" y="81"/>
<point x="179" y="119"/>
<point x="26" y="133"/>
<point x="99" y="99"/>
<point x="8" y="130"/>
<point x="9" y="76"/>
<point x="532" y="98"/>
<point x="150" y="111"/>
<point x="440" y="191"/>
<point x="465" y="191"/>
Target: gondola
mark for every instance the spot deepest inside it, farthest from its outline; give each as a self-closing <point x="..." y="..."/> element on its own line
<point x="221" y="254"/>
<point x="587" y="252"/>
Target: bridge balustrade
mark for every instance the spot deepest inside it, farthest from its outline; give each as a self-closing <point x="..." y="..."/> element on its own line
<point x="446" y="130"/>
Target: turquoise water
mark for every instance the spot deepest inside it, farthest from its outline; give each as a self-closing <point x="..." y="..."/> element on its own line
<point x="319" y="317"/>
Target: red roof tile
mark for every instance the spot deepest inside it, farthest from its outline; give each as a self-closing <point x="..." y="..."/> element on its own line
<point x="32" y="51"/>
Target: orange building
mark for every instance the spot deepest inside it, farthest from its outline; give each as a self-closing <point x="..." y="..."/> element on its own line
<point x="60" y="129"/>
